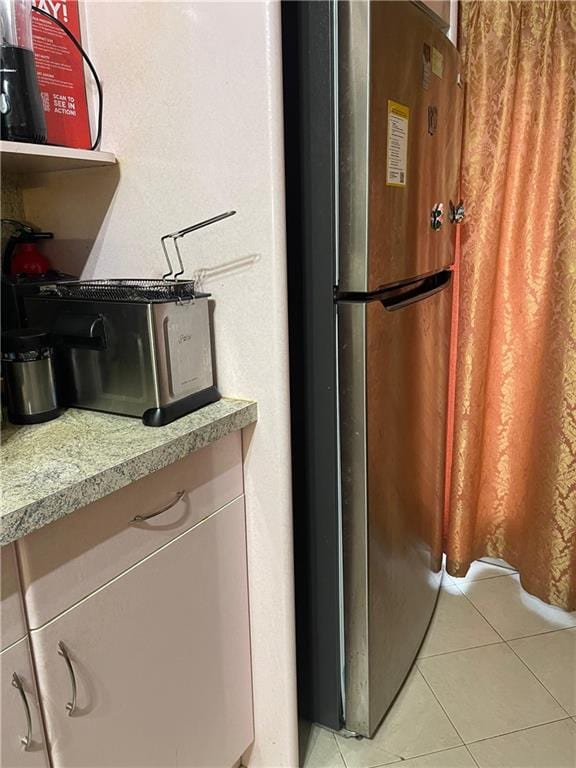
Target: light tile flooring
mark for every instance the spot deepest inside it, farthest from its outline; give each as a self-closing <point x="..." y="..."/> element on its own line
<point x="494" y="686"/>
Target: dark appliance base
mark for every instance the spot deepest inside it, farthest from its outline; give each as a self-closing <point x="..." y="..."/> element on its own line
<point x="159" y="417"/>
<point x="34" y="418"/>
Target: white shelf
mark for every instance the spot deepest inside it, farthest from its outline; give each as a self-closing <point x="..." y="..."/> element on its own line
<point x="18" y="157"/>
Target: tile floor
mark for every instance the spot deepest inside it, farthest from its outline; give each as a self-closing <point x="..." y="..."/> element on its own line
<point x="494" y="686"/>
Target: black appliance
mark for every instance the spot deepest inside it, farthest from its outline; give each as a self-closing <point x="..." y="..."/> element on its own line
<point x="22" y="277"/>
<point x="28" y="372"/>
<point x="21" y="112"/>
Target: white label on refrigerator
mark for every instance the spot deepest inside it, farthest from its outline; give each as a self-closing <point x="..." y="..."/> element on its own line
<point x="437" y="62"/>
<point x="397" y="152"/>
<point x="426" y="66"/>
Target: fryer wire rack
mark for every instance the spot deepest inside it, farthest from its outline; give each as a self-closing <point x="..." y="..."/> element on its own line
<point x="169" y="288"/>
<point x="132" y="290"/>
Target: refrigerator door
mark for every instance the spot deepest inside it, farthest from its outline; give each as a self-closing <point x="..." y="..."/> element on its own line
<point x="393" y="368"/>
<point x="400" y="118"/>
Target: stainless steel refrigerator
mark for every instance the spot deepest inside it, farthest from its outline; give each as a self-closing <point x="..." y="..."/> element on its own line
<point x="373" y="103"/>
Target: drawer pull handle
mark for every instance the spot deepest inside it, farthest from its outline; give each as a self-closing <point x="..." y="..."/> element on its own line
<point x="140" y="518"/>
<point x="63" y="651"/>
<point x="26" y="741"/>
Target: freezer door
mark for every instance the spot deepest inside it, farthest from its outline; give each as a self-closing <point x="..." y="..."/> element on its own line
<point x="400" y="125"/>
<point x="393" y="369"/>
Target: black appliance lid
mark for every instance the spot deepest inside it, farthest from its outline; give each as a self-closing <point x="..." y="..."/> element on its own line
<point x="25" y="340"/>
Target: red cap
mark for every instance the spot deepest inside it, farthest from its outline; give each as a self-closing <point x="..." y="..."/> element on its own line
<point x="28" y="259"/>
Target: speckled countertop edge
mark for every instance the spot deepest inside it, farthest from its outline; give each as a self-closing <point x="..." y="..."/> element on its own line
<point x="50" y="470"/>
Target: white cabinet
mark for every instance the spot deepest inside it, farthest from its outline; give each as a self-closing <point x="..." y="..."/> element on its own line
<point x="12" y="622"/>
<point x="160" y="658"/>
<point x="22" y="743"/>
<point x="77" y="554"/>
<point x="139" y="627"/>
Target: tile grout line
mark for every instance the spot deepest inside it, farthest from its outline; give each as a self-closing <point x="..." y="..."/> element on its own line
<point x="461" y="650"/>
<point x="479" y="612"/>
<point x="339" y="750"/>
<point x="481" y="581"/>
<point x="465" y="744"/>
<point x="487" y="558"/>
<point x="448" y="653"/>
<point x="507" y="643"/>
<point x="510" y="639"/>
<point x="535" y="676"/>
<point x="519" y="730"/>
<point x="478" y="581"/>
<point x="399" y="758"/>
<point x="520" y="637"/>
<point x="441" y="705"/>
<point x="502" y="641"/>
<point x="498" y="735"/>
<point x="516" y="730"/>
<point x="423" y="754"/>
<point x="471" y="756"/>
<point x="495" y="642"/>
<point x="541" y="634"/>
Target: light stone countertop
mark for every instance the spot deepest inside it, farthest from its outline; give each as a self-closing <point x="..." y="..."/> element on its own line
<point x="50" y="470"/>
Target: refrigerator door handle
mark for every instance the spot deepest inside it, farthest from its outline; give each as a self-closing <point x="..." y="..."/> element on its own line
<point x="422" y="290"/>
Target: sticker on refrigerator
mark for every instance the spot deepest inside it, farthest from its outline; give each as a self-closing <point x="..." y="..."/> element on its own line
<point x="426" y="66"/>
<point x="397" y="151"/>
<point x="437" y="62"/>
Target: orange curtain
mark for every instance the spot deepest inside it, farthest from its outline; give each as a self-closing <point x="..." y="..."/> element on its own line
<point x="513" y="483"/>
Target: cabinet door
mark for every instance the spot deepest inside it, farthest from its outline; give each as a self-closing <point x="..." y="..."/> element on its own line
<point x="74" y="556"/>
<point x="160" y="657"/>
<point x="19" y="702"/>
<point x="12" y="623"/>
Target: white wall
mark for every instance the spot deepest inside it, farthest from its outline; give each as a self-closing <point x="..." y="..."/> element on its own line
<point x="193" y="109"/>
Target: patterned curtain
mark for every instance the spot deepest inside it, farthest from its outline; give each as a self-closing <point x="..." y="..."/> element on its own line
<point x="513" y="483"/>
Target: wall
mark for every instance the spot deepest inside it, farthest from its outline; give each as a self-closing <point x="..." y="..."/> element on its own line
<point x="11" y="204"/>
<point x="193" y="109"/>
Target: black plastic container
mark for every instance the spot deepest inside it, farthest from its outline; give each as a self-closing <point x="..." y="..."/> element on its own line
<point x="21" y="112"/>
<point x="20" y="101"/>
<point x="28" y="371"/>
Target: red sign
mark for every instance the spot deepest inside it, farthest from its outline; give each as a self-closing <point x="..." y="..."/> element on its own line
<point x="60" y="71"/>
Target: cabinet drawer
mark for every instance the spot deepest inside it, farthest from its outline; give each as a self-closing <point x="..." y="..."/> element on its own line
<point x="12" y="624"/>
<point x="70" y="558"/>
<point x="159" y="660"/>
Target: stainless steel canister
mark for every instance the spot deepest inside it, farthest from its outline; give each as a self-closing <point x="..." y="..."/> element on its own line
<point x="28" y="371"/>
